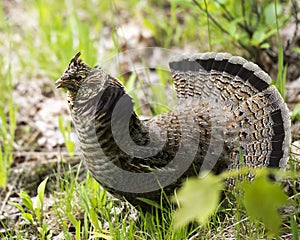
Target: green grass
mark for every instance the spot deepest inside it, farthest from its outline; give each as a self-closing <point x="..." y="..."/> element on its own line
<point x="8" y="121"/>
<point x="81" y="209"/>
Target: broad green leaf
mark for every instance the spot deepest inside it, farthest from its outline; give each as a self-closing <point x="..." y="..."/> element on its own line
<point x="94" y="218"/>
<point x="296" y="112"/>
<point x="61" y="127"/>
<point x="148" y="24"/>
<point x="130" y="84"/>
<point x="65" y="130"/>
<point x="39" y="201"/>
<point x="270" y="13"/>
<point x="72" y="218"/>
<point x="28" y="217"/>
<point x="265" y="45"/>
<point x="262" y="198"/>
<point x="71" y="147"/>
<point x="258" y="36"/>
<point x="198" y="199"/>
<point x="41" y="191"/>
<point x="102" y="236"/>
<point x="26" y="200"/>
<point x="17" y="205"/>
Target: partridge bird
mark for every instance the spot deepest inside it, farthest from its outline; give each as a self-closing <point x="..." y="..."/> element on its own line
<point x="228" y="115"/>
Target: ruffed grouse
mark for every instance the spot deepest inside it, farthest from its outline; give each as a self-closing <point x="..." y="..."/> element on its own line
<point x="227" y="116"/>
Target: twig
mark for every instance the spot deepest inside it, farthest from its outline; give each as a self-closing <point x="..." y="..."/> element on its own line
<point x="297" y="21"/>
<point x="220" y="27"/>
<point x="211" y="18"/>
<point x="208" y="25"/>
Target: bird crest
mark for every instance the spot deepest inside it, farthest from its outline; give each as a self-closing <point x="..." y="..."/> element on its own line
<point x="74" y="74"/>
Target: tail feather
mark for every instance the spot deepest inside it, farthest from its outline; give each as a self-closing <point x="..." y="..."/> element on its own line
<point x="261" y="117"/>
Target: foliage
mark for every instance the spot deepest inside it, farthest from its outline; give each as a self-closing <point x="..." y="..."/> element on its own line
<point x="177" y="27"/>
<point x="33" y="212"/>
<point x="250" y="24"/>
<point x="65" y="130"/>
<point x="281" y="76"/>
<point x="61" y="33"/>
<point x="296" y="113"/>
<point x="8" y="122"/>
<point x="261" y="198"/>
<point x="158" y="97"/>
<point x="205" y="193"/>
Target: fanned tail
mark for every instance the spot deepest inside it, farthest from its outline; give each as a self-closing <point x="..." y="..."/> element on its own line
<point x="260" y="114"/>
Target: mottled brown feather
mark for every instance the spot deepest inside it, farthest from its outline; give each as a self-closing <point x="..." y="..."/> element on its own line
<point x="226" y="107"/>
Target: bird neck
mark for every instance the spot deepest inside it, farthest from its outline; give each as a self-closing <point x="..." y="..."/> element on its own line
<point x="110" y="115"/>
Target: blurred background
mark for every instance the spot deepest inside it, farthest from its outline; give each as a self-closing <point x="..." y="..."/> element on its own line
<point x="38" y="39"/>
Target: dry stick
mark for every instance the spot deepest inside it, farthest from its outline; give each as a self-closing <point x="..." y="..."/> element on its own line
<point x="219" y="26"/>
<point x="208" y="26"/>
<point x="295" y="15"/>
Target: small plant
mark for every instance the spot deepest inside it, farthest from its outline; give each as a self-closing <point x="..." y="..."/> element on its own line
<point x="199" y="198"/>
<point x="60" y="27"/>
<point x="82" y="206"/>
<point x="157" y="97"/>
<point x="65" y="129"/>
<point x="7" y="133"/>
<point x="280" y="82"/>
<point x="33" y="211"/>
<point x="8" y="122"/>
<point x="176" y="27"/>
<point x="296" y="113"/>
<point x="91" y="204"/>
<point x="249" y="24"/>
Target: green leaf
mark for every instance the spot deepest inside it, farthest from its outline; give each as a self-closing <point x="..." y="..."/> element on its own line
<point x="150" y="202"/>
<point x="41" y="190"/>
<point x="70" y="145"/>
<point x="78" y="230"/>
<point x="270" y="13"/>
<point x="39" y="201"/>
<point x="130" y="84"/>
<point x="3" y="173"/>
<point x="265" y="45"/>
<point x="72" y="218"/>
<point x="198" y="199"/>
<point x="281" y="76"/>
<point x="17" y="205"/>
<point x="148" y="24"/>
<point x="258" y="37"/>
<point x="26" y="200"/>
<point x="28" y="217"/>
<point x="61" y="127"/>
<point x="102" y="236"/>
<point x="294" y="227"/>
<point x="94" y="218"/>
<point x="262" y="199"/>
<point x="296" y="112"/>
<point x="65" y="130"/>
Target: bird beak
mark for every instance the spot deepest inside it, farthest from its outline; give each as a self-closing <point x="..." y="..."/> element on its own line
<point x="59" y="83"/>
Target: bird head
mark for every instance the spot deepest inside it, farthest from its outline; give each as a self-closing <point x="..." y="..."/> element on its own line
<point x="74" y="75"/>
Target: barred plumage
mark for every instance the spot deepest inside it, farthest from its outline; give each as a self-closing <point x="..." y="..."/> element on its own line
<point x="226" y="107"/>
